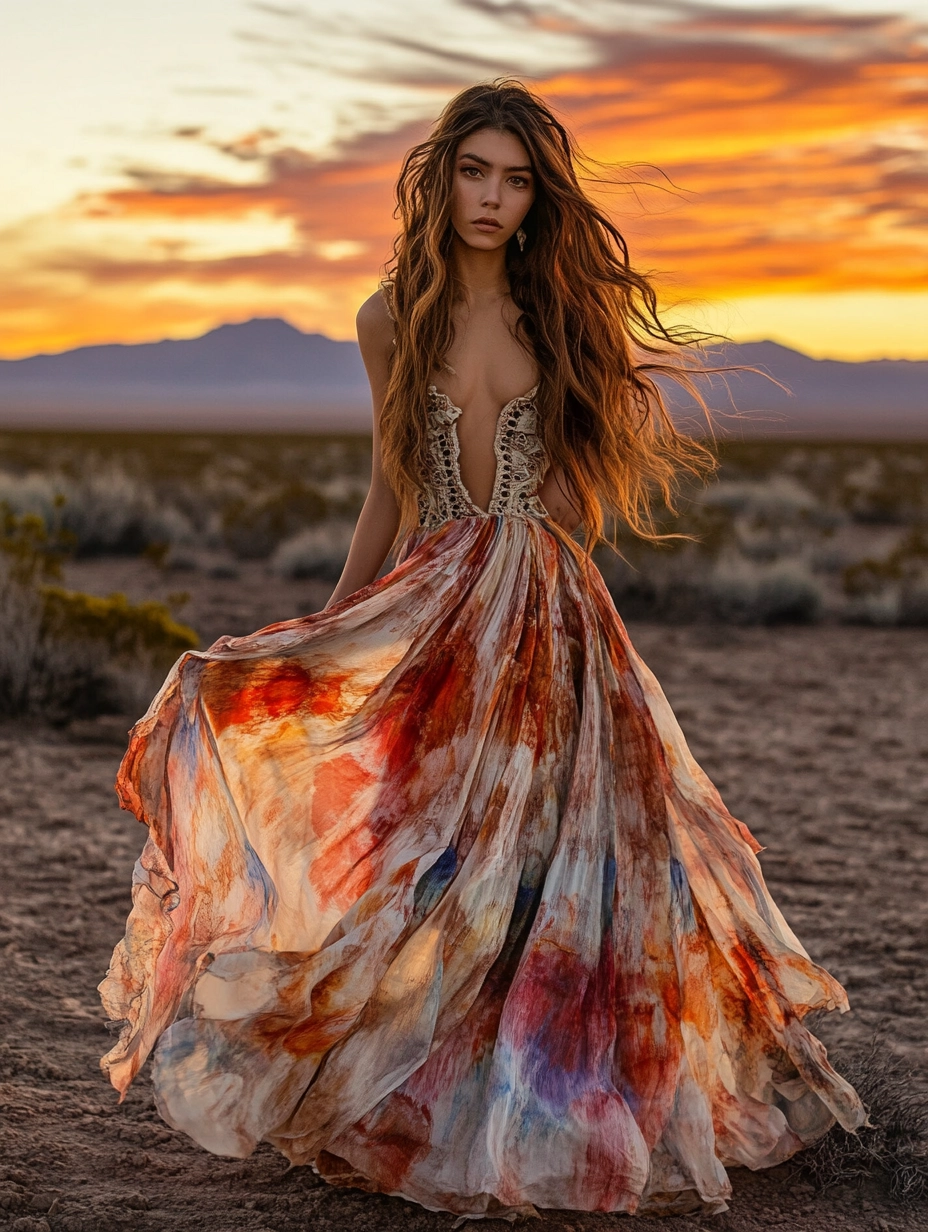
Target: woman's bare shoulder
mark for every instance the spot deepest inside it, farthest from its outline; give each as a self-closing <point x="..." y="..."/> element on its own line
<point x="374" y="321"/>
<point x="375" y="338"/>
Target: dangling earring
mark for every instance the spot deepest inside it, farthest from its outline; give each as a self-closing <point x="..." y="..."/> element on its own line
<point x="521" y="237"/>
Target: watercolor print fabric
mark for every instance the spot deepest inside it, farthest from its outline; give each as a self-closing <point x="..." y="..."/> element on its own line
<point x="435" y="899"/>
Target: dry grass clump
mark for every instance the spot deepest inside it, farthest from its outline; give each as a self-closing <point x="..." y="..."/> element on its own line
<point x="104" y="512"/>
<point x="894" y="1148"/>
<point x="318" y="552"/>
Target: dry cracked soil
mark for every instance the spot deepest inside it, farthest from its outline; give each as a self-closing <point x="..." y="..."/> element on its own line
<point x="818" y="739"/>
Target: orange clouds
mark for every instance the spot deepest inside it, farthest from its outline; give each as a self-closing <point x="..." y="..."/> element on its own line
<point x="797" y="142"/>
<point x="803" y="153"/>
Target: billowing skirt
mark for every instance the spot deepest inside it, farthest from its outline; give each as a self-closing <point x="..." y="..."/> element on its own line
<point x="435" y="899"/>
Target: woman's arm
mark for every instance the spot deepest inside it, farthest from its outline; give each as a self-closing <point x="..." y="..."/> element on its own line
<point x="553" y="494"/>
<point x="380" y="517"/>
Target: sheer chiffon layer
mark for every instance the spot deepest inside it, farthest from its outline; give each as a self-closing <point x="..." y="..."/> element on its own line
<point x="435" y="899"/>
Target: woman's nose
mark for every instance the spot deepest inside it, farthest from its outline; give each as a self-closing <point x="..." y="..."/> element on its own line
<point x="491" y="193"/>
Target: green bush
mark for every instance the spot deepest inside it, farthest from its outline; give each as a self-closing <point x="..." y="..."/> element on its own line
<point x="127" y="631"/>
<point x="29" y="552"/>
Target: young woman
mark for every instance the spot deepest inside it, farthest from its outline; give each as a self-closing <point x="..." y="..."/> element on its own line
<point x="434" y="897"/>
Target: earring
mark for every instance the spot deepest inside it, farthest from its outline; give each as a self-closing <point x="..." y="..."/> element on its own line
<point x="521" y="237"/>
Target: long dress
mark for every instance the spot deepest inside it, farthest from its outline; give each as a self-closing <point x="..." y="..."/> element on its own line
<point x="436" y="900"/>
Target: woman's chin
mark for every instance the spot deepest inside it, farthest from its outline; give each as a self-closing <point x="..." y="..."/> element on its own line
<point x="482" y="241"/>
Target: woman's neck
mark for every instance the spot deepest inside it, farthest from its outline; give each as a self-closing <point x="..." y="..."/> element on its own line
<point x="480" y="276"/>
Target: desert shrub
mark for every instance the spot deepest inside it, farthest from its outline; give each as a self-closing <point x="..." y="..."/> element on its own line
<point x="734" y="589"/>
<point x="64" y="653"/>
<point x="654" y="583"/>
<point x="29" y="551"/>
<point x="885" y="487"/>
<point x="894" y="1147"/>
<point x="791" y="530"/>
<point x="892" y="589"/>
<point x="124" y="629"/>
<point x="96" y="654"/>
<point x="124" y="492"/>
<point x="913" y="603"/>
<point x="105" y="512"/>
<point x="111" y="513"/>
<point x="771" y="518"/>
<point x="872" y="483"/>
<point x="318" y="552"/>
<point x="740" y="591"/>
<point x="253" y="526"/>
<point x="734" y="567"/>
<point x="33" y="493"/>
<point x="776" y="499"/>
<point x="908" y="560"/>
<point x="29" y="557"/>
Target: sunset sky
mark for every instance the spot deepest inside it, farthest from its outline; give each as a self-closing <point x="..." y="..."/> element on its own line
<point x="171" y="166"/>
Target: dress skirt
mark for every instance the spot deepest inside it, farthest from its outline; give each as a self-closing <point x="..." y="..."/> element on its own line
<point x="436" y="900"/>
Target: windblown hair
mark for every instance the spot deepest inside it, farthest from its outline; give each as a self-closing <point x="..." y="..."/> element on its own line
<point x="589" y="319"/>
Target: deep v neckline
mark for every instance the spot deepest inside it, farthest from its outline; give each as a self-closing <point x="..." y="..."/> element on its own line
<point x="500" y="420"/>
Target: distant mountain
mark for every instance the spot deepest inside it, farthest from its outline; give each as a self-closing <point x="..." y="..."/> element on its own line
<point x="878" y="399"/>
<point x="265" y="375"/>
<point x="265" y="349"/>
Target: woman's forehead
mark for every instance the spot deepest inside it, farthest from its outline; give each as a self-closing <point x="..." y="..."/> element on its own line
<point x="496" y="148"/>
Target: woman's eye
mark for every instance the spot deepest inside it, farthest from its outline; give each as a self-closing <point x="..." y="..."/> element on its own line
<point x="468" y="170"/>
<point x="519" y="181"/>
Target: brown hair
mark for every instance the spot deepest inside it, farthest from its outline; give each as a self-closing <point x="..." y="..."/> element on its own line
<point x="590" y="320"/>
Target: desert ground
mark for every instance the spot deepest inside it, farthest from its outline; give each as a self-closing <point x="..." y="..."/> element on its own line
<point x="818" y="738"/>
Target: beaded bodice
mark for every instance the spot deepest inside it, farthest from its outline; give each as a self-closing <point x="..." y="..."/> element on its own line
<point x="521" y="464"/>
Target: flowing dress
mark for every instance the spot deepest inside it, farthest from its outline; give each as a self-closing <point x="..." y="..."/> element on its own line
<point x="436" y="900"/>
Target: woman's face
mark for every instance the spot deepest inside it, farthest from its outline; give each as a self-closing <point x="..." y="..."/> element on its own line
<point x="493" y="188"/>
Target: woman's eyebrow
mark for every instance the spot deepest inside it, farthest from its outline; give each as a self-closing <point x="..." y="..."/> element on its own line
<point x="486" y="163"/>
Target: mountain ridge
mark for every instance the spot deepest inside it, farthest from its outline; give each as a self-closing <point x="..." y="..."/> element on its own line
<point x="266" y="374"/>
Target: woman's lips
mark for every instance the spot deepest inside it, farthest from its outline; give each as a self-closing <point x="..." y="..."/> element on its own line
<point x="487" y="224"/>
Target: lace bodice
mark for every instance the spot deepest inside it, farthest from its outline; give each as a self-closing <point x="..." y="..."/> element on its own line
<point x="521" y="464"/>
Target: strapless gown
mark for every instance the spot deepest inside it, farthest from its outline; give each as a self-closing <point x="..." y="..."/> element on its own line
<point x="435" y="899"/>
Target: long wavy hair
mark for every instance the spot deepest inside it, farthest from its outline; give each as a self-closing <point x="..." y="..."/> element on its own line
<point x="589" y="319"/>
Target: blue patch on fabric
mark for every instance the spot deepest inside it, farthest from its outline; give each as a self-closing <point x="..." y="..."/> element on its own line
<point x="431" y="885"/>
<point x="257" y="874"/>
<point x="682" y="899"/>
<point x="608" y="901"/>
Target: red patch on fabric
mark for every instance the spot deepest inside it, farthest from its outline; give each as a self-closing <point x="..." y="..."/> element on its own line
<point x="429" y="706"/>
<point x="608" y="1181"/>
<point x="342" y="872"/>
<point x="244" y="694"/>
<point x="345" y="873"/>
<point x="396" y="1133"/>
<point x="551" y="1022"/>
<point x="336" y="785"/>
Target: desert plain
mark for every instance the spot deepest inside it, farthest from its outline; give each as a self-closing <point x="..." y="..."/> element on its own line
<point x="817" y="736"/>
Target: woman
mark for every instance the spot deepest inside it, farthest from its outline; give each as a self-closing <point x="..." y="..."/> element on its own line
<point x="435" y="898"/>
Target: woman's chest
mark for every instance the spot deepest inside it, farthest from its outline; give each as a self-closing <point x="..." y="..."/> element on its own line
<point x="487" y="367"/>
